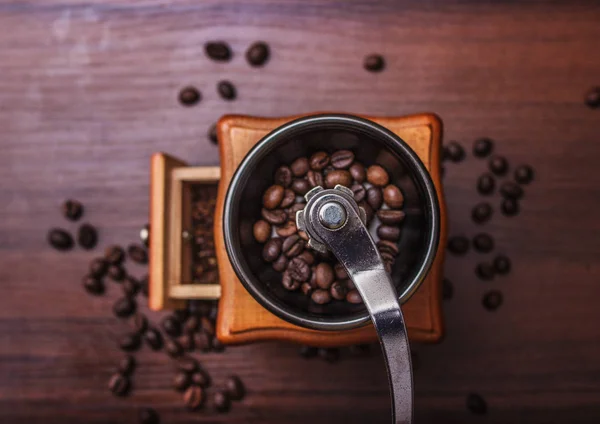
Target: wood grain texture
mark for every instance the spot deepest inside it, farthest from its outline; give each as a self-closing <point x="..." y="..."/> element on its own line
<point x="89" y="91"/>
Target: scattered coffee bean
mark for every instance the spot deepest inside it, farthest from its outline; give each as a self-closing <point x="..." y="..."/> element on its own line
<point x="447" y="289"/>
<point x="124" y="307"/>
<point x="300" y="186"/>
<point x="481" y="213"/>
<point x="386" y="246"/>
<point x="194" y="398"/>
<point x="374" y="197"/>
<point x="274" y="217"/>
<point x="72" y="209"/>
<point x="93" y="285"/>
<point x="261" y="231"/>
<point x="319" y="161"/>
<point x="392" y="196"/>
<point x="153" y="338"/>
<point x="189" y="96"/>
<point x="377" y="176"/>
<point x="221" y="401"/>
<point x="353" y="296"/>
<point x="226" y="90"/>
<point x="320" y="296"/>
<point x="498" y="165"/>
<point x="114" y="255"/>
<point x="235" y="388"/>
<point x="359" y="192"/>
<point x="218" y="51"/>
<point x="187" y="364"/>
<point x="374" y="63"/>
<point x="330" y="354"/>
<point x="187" y="342"/>
<point x="306" y="288"/>
<point x="292" y="246"/>
<point x="280" y="263"/>
<point x="338" y="290"/>
<point x="592" y="98"/>
<point x="390" y="216"/>
<point x="289" y="197"/>
<point x="308" y="351"/>
<point x="272" y="249"/>
<point x="342" y="159"/>
<point x="523" y="174"/>
<point x="144" y="285"/>
<point x="340" y="272"/>
<point x="486" y="184"/>
<point x="476" y="404"/>
<point x="492" y="300"/>
<point x="171" y="326"/>
<point x="454" y="152"/>
<point x="338" y="176"/>
<point x="315" y="178"/>
<point x="130" y="342"/>
<point x="358" y="172"/>
<point x="98" y="267"/>
<point x="483" y="147"/>
<point x="324" y="275"/>
<point x="388" y="232"/>
<point x="485" y="271"/>
<point x="119" y="384"/>
<point x="300" y="167"/>
<point x="307" y="257"/>
<point x="140" y="323"/>
<point x="511" y="190"/>
<point x="283" y="176"/>
<point x="148" y="416"/>
<point x="299" y="270"/>
<point x="258" y="53"/>
<point x="458" y="245"/>
<point x="483" y="243"/>
<point x="60" y="239"/>
<point x="202" y="341"/>
<point x="137" y="254"/>
<point x="87" y="236"/>
<point x="173" y="348"/>
<point x="208" y="325"/>
<point x="131" y="286"/>
<point x="287" y="230"/>
<point x="116" y="272"/>
<point x="510" y="207"/>
<point x="502" y="264"/>
<point x="126" y="365"/>
<point x="200" y="378"/>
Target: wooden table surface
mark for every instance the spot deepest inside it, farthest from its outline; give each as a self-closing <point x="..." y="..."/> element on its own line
<point x="89" y="91"/>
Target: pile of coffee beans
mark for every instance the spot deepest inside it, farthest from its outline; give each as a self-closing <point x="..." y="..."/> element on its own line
<point x="315" y="274"/>
<point x="204" y="263"/>
<point x="61" y="239"/>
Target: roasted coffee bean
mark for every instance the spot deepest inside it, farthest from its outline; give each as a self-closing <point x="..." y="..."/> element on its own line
<point x="171" y="326"/>
<point x="291" y="212"/>
<point x="280" y="264"/>
<point x="483" y="147"/>
<point x="315" y="178"/>
<point x="313" y="277"/>
<point x="353" y="296"/>
<point x="324" y="275"/>
<point x="374" y="197"/>
<point x="258" y="53"/>
<point x="235" y="388"/>
<point x="374" y="63"/>
<point x="319" y="161"/>
<point x="60" y="239"/>
<point x="523" y="174"/>
<point x="303" y="235"/>
<point x="187" y="364"/>
<point x="116" y="272"/>
<point x="137" y="254"/>
<point x="476" y="404"/>
<point x="126" y="365"/>
<point x="114" y="255"/>
<point x="288" y="282"/>
<point x="148" y="416"/>
<point x="342" y="159"/>
<point x="289" y="197"/>
<point x="510" y="207"/>
<point x="350" y="285"/>
<point x="447" y="289"/>
<point x="218" y="51"/>
<point x="498" y="165"/>
<point x="283" y="176"/>
<point x="307" y="257"/>
<point x="191" y="324"/>
<point x="358" y="172"/>
<point x="273" y="196"/>
<point x="338" y="290"/>
<point x="212" y="136"/>
<point x="592" y="98"/>
<point x="330" y="354"/>
<point x="124" y="307"/>
<point x="221" y="401"/>
<point x="492" y="300"/>
<point x="202" y="341"/>
<point x="340" y="272"/>
<point x="502" y="264"/>
<point x="392" y="196"/>
<point x="217" y="346"/>
<point x="292" y="246"/>
<point x="274" y="217"/>
<point x="287" y="230"/>
<point x="299" y="270"/>
<point x="226" y="90"/>
<point x="119" y="384"/>
<point x="390" y="216"/>
<point x="387" y="255"/>
<point x="93" y="285"/>
<point x="130" y="342"/>
<point x="485" y="271"/>
<point x="481" y="213"/>
<point x="388" y="232"/>
<point x="131" y="286"/>
<point x="98" y="267"/>
<point x="389" y="247"/>
<point x="454" y="152"/>
<point x="300" y="186"/>
<point x="189" y="96"/>
<point x="272" y="249"/>
<point x="483" y="243"/>
<point x="194" y="398"/>
<point x="140" y="323"/>
<point x="511" y="190"/>
<point x="336" y="177"/>
<point x="144" y="285"/>
<point x="377" y="176"/>
<point x="153" y="338"/>
<point x="458" y="245"/>
<point x="208" y="325"/>
<point x="308" y="351"/>
<point x="201" y="378"/>
<point x="261" y="231"/>
<point x="306" y="289"/>
<point x="300" y="167"/>
<point x="320" y="296"/>
<point x="173" y="348"/>
<point x="486" y="184"/>
<point x="72" y="209"/>
<point x="359" y="192"/>
<point x="87" y="236"/>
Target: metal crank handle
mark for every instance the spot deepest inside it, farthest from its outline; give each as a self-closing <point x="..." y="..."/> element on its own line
<point x="334" y="221"/>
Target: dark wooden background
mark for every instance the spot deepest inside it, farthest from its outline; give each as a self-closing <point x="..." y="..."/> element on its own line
<point x="89" y="91"/>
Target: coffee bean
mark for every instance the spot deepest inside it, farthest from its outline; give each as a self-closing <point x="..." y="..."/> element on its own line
<point x="300" y="167"/>
<point x="498" y="165"/>
<point x="320" y="296"/>
<point x="124" y="307"/>
<point x="137" y="254"/>
<point x="458" y="245"/>
<point x="98" y="267"/>
<point x="340" y="272"/>
<point x="447" y="289"/>
<point x="359" y="192"/>
<point x="319" y="161"/>
<point x="388" y="232"/>
<point x="392" y="196"/>
<point x="315" y="178"/>
<point x="374" y="197"/>
<point x="510" y="207"/>
<point x="511" y="190"/>
<point x="202" y="341"/>
<point x="358" y="172"/>
<point x="291" y="212"/>
<point x="218" y="51"/>
<point x="485" y="271"/>
<point x="72" y="209"/>
<point x="287" y="230"/>
<point x="524" y="174"/>
<point x="226" y="90"/>
<point x="454" y="152"/>
<point x="131" y="287"/>
<point x="486" y="184"/>
<point x="476" y="404"/>
<point x="342" y="159"/>
<point x="187" y="364"/>
<point x="140" y="323"/>
<point x="93" y="285"/>
<point x="338" y="290"/>
<point x="144" y="285"/>
<point x="289" y="197"/>
<point x="306" y="289"/>
<point x="171" y="326"/>
<point x="60" y="239"/>
<point x="116" y="272"/>
<point x="274" y="217"/>
<point x="283" y="176"/>
<point x="292" y="246"/>
<point x="235" y="388"/>
<point x="307" y="257"/>
<point x="130" y="342"/>
<point x="308" y="351"/>
<point x="280" y="263"/>
<point x="388" y="247"/>
<point x="212" y="136"/>
<point x="481" y="213"/>
<point x="592" y="98"/>
<point x="261" y="231"/>
<point x="189" y="96"/>
<point x="148" y="416"/>
<point x="126" y="365"/>
<point x="483" y="243"/>
<point x="303" y="235"/>
<point x="221" y="401"/>
<point x="300" y="186"/>
<point x="288" y="282"/>
<point x="330" y="354"/>
<point x="492" y="300"/>
<point x="502" y="264"/>
<point x="353" y="296"/>
<point x="374" y="63"/>
<point x="350" y="284"/>
<point x="173" y="348"/>
<point x="87" y="236"/>
<point x="272" y="249"/>
<point x="194" y="398"/>
<point x="299" y="270"/>
<point x="191" y="324"/>
<point x="390" y="217"/>
<point x="273" y="196"/>
<point x="114" y="255"/>
<point x="377" y="176"/>
<point x="258" y="53"/>
<point x="201" y="378"/>
<point x="208" y="325"/>
<point x="119" y="384"/>
<point x="324" y="275"/>
<point x="153" y="338"/>
<point x="336" y="177"/>
<point x="483" y="147"/>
